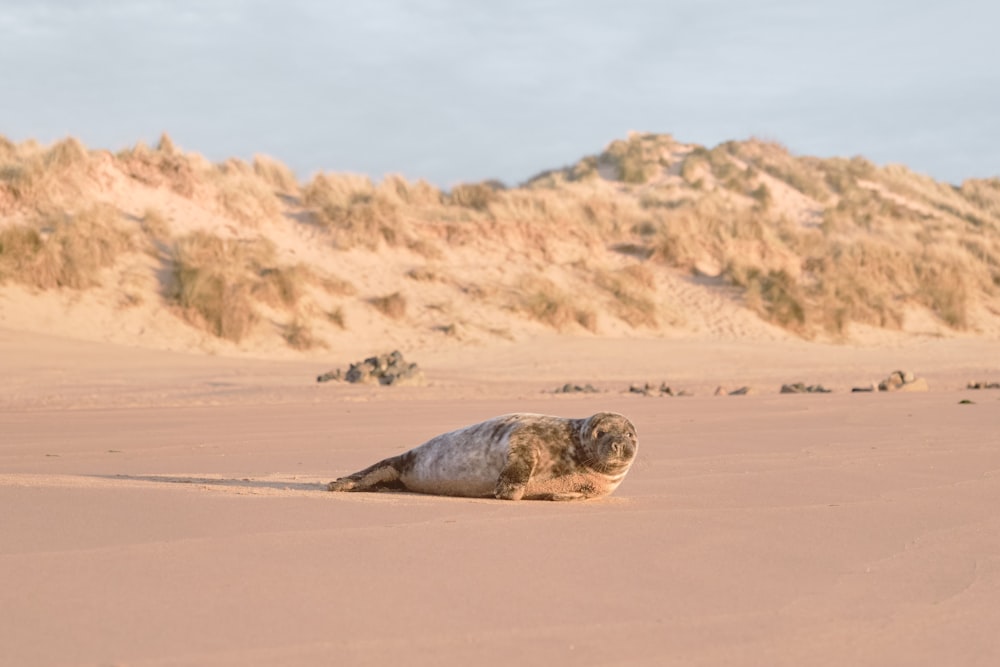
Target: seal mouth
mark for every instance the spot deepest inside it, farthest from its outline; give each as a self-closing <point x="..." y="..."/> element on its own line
<point x="617" y="457"/>
<point x="621" y="449"/>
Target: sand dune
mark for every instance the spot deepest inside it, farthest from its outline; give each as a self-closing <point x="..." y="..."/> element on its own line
<point x="650" y="238"/>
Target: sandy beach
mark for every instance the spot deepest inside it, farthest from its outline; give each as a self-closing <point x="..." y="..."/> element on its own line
<point x="163" y="508"/>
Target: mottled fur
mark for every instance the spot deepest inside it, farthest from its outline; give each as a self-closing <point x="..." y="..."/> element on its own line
<point x="511" y="457"/>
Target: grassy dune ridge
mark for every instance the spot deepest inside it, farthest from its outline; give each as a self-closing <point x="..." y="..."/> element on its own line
<point x="814" y="246"/>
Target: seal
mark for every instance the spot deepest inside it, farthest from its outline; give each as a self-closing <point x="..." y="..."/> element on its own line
<point x="512" y="457"/>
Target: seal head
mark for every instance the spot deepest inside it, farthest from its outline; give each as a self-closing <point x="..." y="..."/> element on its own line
<point x="611" y="442"/>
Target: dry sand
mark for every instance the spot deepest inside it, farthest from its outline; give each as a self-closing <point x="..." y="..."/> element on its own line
<point x="162" y="508"/>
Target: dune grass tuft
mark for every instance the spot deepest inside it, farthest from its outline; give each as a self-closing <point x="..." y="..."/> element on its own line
<point x="336" y="316"/>
<point x="541" y="300"/>
<point x="631" y="288"/>
<point x="210" y="285"/>
<point x="773" y="294"/>
<point x="635" y="159"/>
<point x="243" y="195"/>
<point x="276" y="174"/>
<point x="299" y="335"/>
<point x="353" y="211"/>
<point x="392" y="305"/>
<point x="164" y="166"/>
<point x="62" y="249"/>
<point x="42" y="179"/>
<point x="477" y="196"/>
<point x="217" y="283"/>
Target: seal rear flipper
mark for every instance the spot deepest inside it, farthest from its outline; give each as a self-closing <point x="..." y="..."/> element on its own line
<point x="382" y="475"/>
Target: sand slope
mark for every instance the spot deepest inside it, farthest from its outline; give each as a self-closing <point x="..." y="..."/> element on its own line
<point x="652" y="238"/>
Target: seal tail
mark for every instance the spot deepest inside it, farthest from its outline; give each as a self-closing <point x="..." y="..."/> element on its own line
<point x="383" y="475"/>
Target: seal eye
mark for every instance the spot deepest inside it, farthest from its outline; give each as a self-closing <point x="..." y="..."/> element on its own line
<point x="599" y="434"/>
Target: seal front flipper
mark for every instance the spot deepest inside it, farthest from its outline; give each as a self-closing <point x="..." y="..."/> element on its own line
<point x="521" y="461"/>
<point x="382" y="475"/>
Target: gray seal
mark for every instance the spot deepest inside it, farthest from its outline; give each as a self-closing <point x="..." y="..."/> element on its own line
<point x="523" y="455"/>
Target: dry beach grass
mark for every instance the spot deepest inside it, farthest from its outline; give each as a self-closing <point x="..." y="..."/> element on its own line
<point x="624" y="241"/>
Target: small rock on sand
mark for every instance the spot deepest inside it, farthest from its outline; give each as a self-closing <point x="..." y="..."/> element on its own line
<point x="741" y="391"/>
<point x="803" y="388"/>
<point x="384" y="369"/>
<point x="570" y="388"/>
<point x="897" y="381"/>
<point x="648" y="389"/>
<point x="902" y="381"/>
<point x="983" y="385"/>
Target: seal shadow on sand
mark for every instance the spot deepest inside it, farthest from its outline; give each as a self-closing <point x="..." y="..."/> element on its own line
<point x="285" y="487"/>
<point x="272" y="487"/>
<point x="226" y="483"/>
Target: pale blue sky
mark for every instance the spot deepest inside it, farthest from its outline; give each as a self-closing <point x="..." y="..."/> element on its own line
<point x="461" y="91"/>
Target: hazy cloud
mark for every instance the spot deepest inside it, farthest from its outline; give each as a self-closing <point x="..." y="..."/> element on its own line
<point x="452" y="90"/>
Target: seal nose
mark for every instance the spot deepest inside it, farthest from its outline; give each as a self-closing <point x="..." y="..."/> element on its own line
<point x="623" y="449"/>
